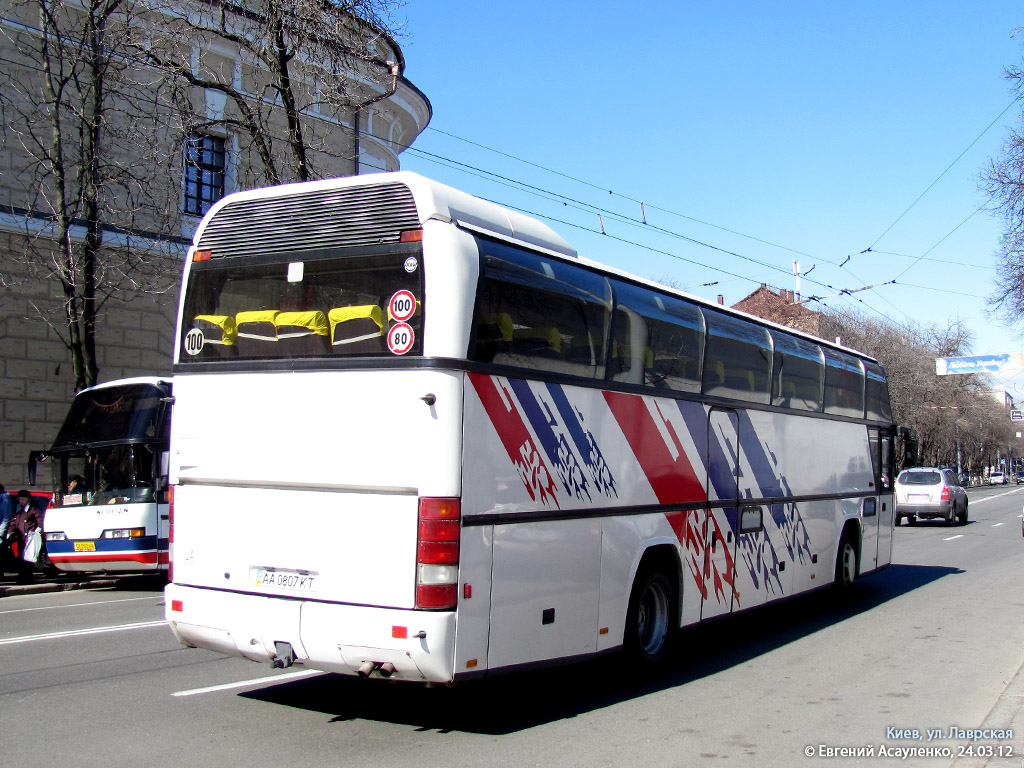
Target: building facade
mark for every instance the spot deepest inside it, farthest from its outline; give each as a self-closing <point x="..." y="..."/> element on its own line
<point x="195" y="151"/>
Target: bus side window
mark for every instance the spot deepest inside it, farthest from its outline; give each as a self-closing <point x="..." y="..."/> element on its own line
<point x="844" y="384"/>
<point x="798" y="373"/>
<point x="659" y="339"/>
<point x="540" y="314"/>
<point x="744" y="351"/>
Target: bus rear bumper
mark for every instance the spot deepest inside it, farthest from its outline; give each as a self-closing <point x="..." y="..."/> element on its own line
<point x="346" y="639"/>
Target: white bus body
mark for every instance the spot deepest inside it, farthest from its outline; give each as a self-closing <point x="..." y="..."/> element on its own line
<point x="479" y="490"/>
<point x="114" y="444"/>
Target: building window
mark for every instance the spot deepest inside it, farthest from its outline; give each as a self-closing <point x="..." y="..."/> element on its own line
<point x="205" y="167"/>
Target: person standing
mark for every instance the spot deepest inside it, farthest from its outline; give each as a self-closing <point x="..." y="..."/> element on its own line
<point x="27" y="517"/>
<point x="6" y="510"/>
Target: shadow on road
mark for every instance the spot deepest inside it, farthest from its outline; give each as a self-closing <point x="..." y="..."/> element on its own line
<point x="510" y="703"/>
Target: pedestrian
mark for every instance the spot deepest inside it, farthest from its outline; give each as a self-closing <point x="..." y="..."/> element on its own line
<point x="6" y="510"/>
<point x="27" y="517"/>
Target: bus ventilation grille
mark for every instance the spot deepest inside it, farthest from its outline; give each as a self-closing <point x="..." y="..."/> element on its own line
<point x="327" y="218"/>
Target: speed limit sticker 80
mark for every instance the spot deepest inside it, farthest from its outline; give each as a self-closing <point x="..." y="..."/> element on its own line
<point x="400" y="338"/>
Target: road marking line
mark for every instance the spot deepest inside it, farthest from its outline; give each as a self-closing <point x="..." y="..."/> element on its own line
<point x="950" y="538"/>
<point x="81" y="605"/>
<point x="78" y="632"/>
<point x="997" y="525"/>
<point x="254" y="681"/>
<point x="1004" y="493"/>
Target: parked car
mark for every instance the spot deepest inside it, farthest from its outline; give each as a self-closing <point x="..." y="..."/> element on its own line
<point x="997" y="478"/>
<point x="1020" y="477"/>
<point x="930" y="492"/>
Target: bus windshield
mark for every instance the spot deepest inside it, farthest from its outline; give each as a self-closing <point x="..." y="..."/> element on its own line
<point x="123" y="413"/>
<point x="118" y="474"/>
<point x="337" y="303"/>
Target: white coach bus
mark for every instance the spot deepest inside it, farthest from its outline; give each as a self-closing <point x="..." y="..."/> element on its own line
<point x="416" y="436"/>
<point x="109" y="471"/>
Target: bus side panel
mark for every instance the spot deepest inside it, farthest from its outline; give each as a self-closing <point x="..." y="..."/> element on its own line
<point x="551" y="452"/>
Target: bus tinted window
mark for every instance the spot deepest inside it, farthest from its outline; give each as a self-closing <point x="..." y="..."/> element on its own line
<point x="798" y="373"/>
<point x="877" y="393"/>
<point x="658" y="340"/>
<point x="540" y="313"/>
<point x="327" y="304"/>
<point x="738" y="360"/>
<point x="844" y="384"/>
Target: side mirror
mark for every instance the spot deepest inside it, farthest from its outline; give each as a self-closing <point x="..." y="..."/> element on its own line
<point x="33" y="458"/>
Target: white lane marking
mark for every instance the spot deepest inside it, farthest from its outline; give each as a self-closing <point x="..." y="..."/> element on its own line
<point x="997" y="525"/>
<point x="254" y="681"/>
<point x="989" y="498"/>
<point x="80" y="605"/>
<point x="950" y="538"/>
<point x="78" y="632"/>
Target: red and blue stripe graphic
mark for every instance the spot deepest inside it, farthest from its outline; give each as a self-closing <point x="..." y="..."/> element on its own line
<point x="549" y="440"/>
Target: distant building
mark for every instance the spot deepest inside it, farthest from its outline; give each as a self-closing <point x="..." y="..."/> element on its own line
<point x="780" y="306"/>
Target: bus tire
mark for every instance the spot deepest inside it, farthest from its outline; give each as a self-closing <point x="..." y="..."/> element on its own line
<point x="652" y="617"/>
<point x="846" y="563"/>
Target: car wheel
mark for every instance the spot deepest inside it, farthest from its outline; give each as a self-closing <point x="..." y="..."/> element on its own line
<point x="911" y="519"/>
<point x="963" y="515"/>
<point x="951" y="521"/>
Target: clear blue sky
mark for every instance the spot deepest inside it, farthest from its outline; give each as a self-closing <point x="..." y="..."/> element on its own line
<point x="763" y="131"/>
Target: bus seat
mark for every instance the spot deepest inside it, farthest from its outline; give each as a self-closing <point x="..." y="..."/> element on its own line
<point x="585" y="350"/>
<point x="714" y="374"/>
<point x="539" y="341"/>
<point x="356" y="330"/>
<point x="219" y="332"/>
<point x="493" y="335"/>
<point x="302" y="333"/>
<point x="256" y="331"/>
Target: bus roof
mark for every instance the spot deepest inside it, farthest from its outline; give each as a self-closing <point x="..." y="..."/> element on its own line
<point x="437" y="201"/>
<point x="433" y="201"/>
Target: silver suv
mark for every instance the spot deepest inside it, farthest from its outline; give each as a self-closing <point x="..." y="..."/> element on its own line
<point x="930" y="492"/>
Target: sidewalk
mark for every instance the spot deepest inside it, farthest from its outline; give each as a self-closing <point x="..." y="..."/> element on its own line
<point x="62" y="582"/>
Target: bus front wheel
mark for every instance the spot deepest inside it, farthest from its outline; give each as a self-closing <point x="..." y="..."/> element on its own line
<point x="651" y="622"/>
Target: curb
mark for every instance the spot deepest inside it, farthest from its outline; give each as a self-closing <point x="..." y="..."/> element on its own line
<point x="59" y="586"/>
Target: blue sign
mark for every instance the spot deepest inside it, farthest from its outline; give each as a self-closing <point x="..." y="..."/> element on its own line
<point x="1011" y="362"/>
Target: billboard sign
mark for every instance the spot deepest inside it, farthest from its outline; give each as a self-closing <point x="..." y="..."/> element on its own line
<point x="1006" y="363"/>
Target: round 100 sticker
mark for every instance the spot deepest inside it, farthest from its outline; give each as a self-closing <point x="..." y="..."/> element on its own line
<point x="402" y="306"/>
<point x="400" y="338"/>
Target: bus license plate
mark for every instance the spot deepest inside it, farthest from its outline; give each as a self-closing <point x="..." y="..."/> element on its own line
<point x="280" y="578"/>
<point x="85" y="546"/>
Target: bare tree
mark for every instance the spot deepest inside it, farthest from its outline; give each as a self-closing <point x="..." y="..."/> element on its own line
<point x="80" y="121"/>
<point x="1003" y="181"/>
<point x="956" y="418"/>
<point x="331" y="58"/>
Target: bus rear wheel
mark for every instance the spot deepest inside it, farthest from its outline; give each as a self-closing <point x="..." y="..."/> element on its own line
<point x="651" y="622"/>
<point x="846" y="564"/>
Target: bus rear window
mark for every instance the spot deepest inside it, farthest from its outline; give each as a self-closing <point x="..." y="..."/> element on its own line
<point x="310" y="305"/>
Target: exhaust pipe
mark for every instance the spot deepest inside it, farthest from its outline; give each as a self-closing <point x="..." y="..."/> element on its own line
<point x="384" y="668"/>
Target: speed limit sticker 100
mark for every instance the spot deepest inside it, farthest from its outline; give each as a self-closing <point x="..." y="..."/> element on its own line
<point x="400" y="338"/>
<point x="402" y="306"/>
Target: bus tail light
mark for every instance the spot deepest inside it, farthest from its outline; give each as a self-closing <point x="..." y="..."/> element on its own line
<point x="437" y="553"/>
<point x="411" y="236"/>
<point x="170" y="533"/>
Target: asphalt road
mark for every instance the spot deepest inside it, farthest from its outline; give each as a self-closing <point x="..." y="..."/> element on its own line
<point x="932" y="643"/>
